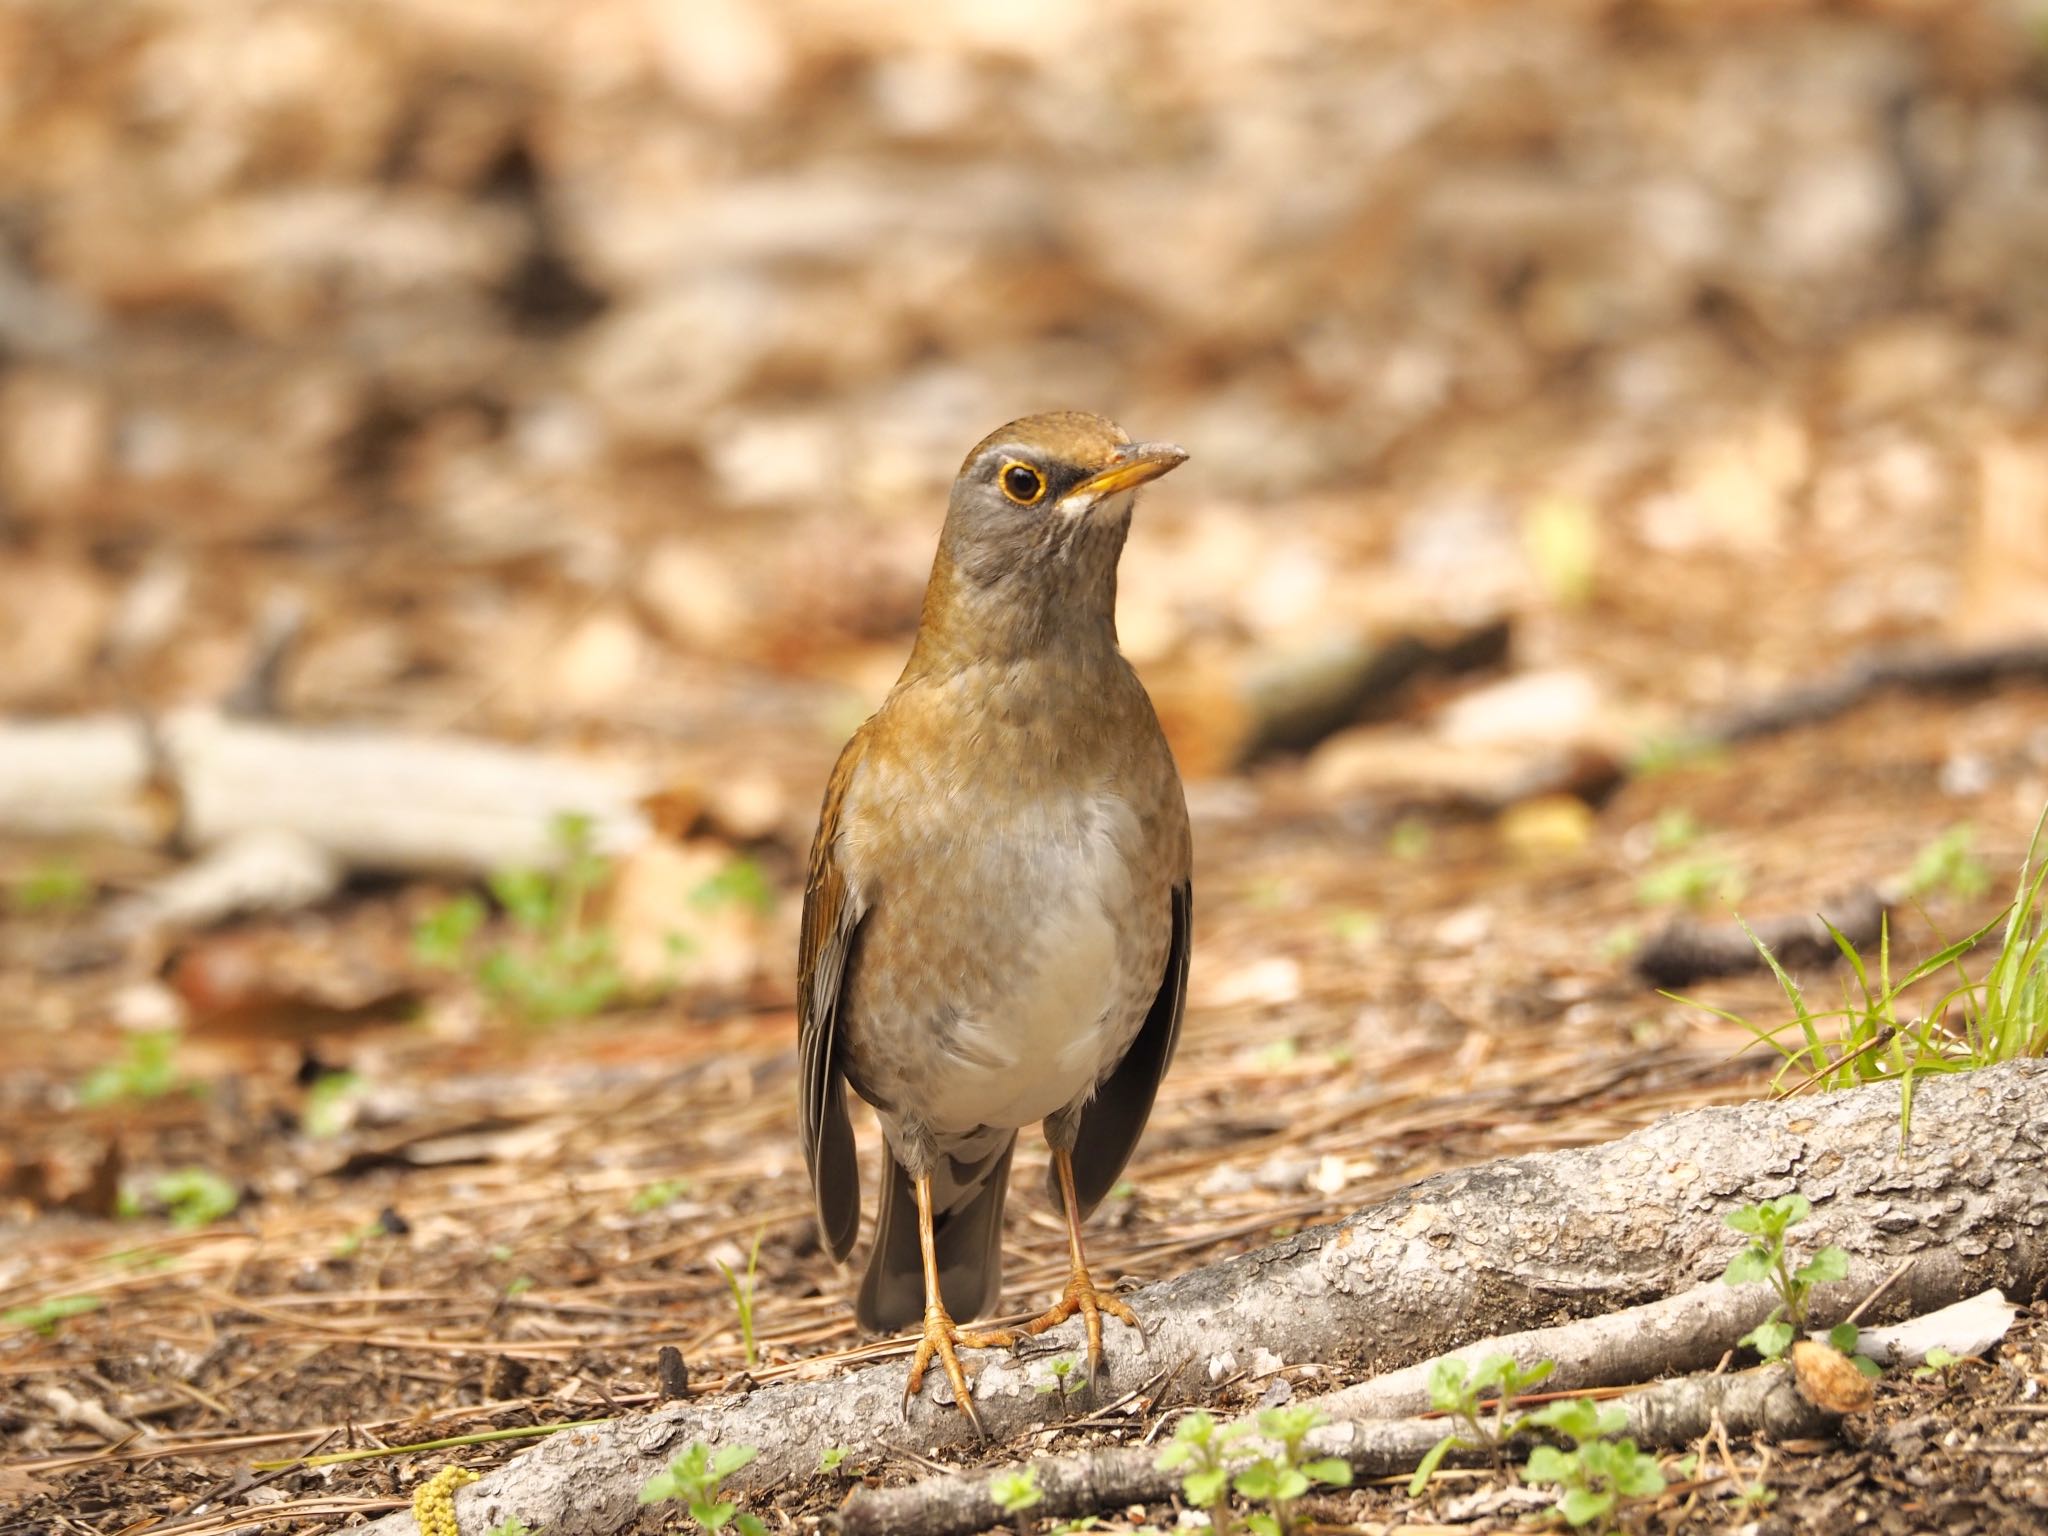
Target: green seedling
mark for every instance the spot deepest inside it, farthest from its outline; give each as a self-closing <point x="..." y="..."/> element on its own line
<point x="147" y="1068"/>
<point x="658" y="1194"/>
<point x="1457" y="1389"/>
<point x="556" y="964"/>
<point x="1765" y="1257"/>
<point x="743" y="1296"/>
<point x="1265" y="1462"/>
<point x="741" y="883"/>
<point x="1691" y="883"/>
<point x="327" y="1104"/>
<point x="1410" y="840"/>
<point x="512" y="1525"/>
<point x="694" y="1480"/>
<point x="1278" y="1477"/>
<point x="1357" y="927"/>
<point x="1599" y="1470"/>
<point x="43" y="1316"/>
<point x="1015" y="1492"/>
<point x="832" y="1456"/>
<point x="55" y="888"/>
<point x="1061" y="1369"/>
<point x="1675" y="830"/>
<point x="1938" y="1362"/>
<point x="1199" y="1452"/>
<point x="191" y="1197"/>
<point x="1949" y="865"/>
<point x="1659" y="755"/>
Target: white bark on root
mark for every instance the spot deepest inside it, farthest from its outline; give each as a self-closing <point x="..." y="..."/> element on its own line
<point x="1660" y="1417"/>
<point x="1515" y="1244"/>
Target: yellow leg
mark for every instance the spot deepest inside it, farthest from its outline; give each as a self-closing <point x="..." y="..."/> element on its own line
<point x="1081" y="1294"/>
<point x="941" y="1334"/>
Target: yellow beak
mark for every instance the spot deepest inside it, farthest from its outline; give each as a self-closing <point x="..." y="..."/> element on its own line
<point x="1133" y="467"/>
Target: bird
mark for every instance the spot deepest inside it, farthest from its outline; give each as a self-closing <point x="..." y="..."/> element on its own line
<point x="998" y="901"/>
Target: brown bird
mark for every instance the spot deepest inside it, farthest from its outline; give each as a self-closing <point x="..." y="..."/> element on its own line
<point x="996" y="918"/>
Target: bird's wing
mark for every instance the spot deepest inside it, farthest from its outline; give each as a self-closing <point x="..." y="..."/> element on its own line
<point x="1114" y="1118"/>
<point x="831" y="923"/>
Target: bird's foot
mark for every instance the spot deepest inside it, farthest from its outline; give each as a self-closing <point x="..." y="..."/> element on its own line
<point x="1082" y="1295"/>
<point x="943" y="1338"/>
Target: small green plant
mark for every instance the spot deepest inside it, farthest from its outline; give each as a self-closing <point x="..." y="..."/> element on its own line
<point x="512" y="1525"/>
<point x="1356" y="926"/>
<point x="1765" y="1258"/>
<point x="1457" y="1389"/>
<point x="54" y="888"/>
<point x="1198" y="1451"/>
<point x="741" y="883"/>
<point x="1410" y="840"/>
<point x="1282" y="1475"/>
<point x="556" y="965"/>
<point x="1621" y="941"/>
<point x="694" y="1480"/>
<point x="658" y="1194"/>
<point x="1216" y="1461"/>
<point x="832" y="1456"/>
<point x="326" y="1109"/>
<point x="43" y="1316"/>
<point x="743" y="1296"/>
<point x="1950" y="864"/>
<point x="1938" y="1362"/>
<point x="1276" y="1055"/>
<point x="1015" y="1492"/>
<point x="147" y="1068"/>
<point x="1658" y="755"/>
<point x="1675" y="830"/>
<point x="191" y="1197"/>
<point x="1061" y="1369"/>
<point x="1874" y="1036"/>
<point x="1691" y="882"/>
<point x="1599" y="1470"/>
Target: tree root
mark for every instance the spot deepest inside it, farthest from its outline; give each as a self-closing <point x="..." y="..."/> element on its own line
<point x="1521" y="1243"/>
<point x="1662" y="1417"/>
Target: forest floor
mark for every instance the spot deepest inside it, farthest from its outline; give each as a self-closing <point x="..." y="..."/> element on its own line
<point x="487" y="1227"/>
<point x="583" y="378"/>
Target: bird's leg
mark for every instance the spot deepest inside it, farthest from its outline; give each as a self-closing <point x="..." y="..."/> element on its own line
<point x="1081" y="1294"/>
<point x="941" y="1333"/>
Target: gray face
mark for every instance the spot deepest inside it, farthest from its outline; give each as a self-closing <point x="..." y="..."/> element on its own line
<point x="1020" y="513"/>
<point x="1036" y="523"/>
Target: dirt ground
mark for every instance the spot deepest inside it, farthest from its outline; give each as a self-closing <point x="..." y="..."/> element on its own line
<point x="1624" y="373"/>
<point x="511" y="1225"/>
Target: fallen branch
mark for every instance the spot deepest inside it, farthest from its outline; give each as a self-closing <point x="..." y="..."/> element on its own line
<point x="1519" y="1243"/>
<point x="1909" y="671"/>
<point x="370" y="799"/>
<point x="1686" y="951"/>
<point x="1660" y="1417"/>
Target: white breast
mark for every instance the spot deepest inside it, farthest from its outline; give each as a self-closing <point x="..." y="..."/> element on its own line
<point x="1054" y="1033"/>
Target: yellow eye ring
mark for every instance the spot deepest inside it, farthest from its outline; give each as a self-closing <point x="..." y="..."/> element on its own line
<point x="1021" y="483"/>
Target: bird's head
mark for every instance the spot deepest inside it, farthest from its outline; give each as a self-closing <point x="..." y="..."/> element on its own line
<point x="1036" y="522"/>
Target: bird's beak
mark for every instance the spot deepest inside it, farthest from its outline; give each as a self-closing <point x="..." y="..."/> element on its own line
<point x="1133" y="467"/>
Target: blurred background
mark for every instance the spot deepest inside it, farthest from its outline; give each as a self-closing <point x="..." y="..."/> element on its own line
<point x="1576" y="389"/>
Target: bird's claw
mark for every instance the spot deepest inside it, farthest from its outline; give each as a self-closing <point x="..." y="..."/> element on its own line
<point x="943" y="1338"/>
<point x="1082" y="1295"/>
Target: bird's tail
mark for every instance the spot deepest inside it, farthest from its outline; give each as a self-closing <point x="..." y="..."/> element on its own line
<point x="967" y="1225"/>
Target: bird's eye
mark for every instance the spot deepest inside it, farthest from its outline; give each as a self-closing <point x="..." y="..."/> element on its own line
<point x="1022" y="484"/>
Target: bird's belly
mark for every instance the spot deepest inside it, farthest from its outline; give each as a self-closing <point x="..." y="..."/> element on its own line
<point x="1045" y="1041"/>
